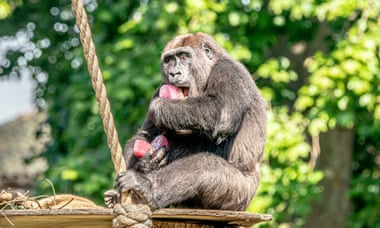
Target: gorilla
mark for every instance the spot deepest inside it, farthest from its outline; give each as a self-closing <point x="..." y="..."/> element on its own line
<point x="216" y="132"/>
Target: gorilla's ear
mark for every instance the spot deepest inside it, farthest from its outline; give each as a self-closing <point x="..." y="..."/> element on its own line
<point x="208" y="51"/>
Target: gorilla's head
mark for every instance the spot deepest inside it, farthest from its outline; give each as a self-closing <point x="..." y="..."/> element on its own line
<point x="187" y="61"/>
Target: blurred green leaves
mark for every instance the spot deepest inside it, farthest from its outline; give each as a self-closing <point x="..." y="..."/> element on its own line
<point x="285" y="169"/>
<point x="345" y="82"/>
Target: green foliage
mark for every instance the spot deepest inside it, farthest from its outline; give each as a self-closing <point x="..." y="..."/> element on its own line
<point x="343" y="91"/>
<point x="365" y="193"/>
<point x="7" y="7"/>
<point x="345" y="82"/>
<point x="278" y="71"/>
<point x="284" y="170"/>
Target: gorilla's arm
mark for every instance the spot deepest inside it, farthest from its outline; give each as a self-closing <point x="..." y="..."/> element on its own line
<point x="147" y="132"/>
<point x="185" y="114"/>
<point x="216" y="112"/>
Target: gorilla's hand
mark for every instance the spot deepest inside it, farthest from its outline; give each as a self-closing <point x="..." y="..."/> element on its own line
<point x="111" y="198"/>
<point x="151" y="155"/>
<point x="132" y="181"/>
<point x="152" y="160"/>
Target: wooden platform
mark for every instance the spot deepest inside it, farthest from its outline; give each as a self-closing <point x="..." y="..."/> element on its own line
<point x="50" y="218"/>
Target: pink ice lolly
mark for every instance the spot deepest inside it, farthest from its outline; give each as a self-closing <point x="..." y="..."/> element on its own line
<point x="140" y="148"/>
<point x="169" y="91"/>
<point x="160" y="141"/>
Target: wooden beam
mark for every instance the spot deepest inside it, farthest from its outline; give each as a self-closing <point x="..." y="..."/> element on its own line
<point x="96" y="218"/>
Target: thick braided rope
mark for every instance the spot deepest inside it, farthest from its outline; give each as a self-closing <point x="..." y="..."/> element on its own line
<point x="128" y="214"/>
<point x="98" y="85"/>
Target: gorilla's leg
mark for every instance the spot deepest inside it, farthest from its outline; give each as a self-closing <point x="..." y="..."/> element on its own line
<point x="204" y="176"/>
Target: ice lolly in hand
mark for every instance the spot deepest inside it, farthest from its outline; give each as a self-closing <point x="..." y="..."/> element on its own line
<point x="141" y="147"/>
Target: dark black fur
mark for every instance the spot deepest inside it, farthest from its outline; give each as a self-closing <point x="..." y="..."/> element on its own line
<point x="216" y="135"/>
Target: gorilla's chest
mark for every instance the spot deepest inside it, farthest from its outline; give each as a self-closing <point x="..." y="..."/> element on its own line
<point x="183" y="145"/>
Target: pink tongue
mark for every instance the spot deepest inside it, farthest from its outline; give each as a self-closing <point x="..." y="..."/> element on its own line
<point x="169" y="91"/>
<point x="140" y="148"/>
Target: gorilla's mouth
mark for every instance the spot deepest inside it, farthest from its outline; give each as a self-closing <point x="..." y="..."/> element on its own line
<point x="173" y="92"/>
<point x="183" y="92"/>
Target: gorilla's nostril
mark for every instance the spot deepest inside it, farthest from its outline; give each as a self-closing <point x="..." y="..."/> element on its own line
<point x="174" y="74"/>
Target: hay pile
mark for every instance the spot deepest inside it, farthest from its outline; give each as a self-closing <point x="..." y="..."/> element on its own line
<point x="18" y="200"/>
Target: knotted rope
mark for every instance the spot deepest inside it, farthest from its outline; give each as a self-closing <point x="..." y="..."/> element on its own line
<point x="127" y="214"/>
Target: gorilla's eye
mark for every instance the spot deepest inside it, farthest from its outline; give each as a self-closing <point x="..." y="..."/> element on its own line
<point x="208" y="51"/>
<point x="206" y="48"/>
<point x="167" y="59"/>
<point x="183" y="55"/>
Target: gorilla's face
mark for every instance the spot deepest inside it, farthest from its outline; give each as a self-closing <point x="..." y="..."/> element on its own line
<point x="187" y="61"/>
<point x="176" y="67"/>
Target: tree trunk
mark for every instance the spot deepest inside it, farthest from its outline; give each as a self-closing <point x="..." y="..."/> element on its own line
<point x="335" y="161"/>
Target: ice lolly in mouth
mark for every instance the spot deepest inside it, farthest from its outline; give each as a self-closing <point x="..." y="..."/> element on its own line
<point x="173" y="92"/>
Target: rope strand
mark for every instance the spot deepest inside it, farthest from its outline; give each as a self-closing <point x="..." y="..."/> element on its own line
<point x="98" y="86"/>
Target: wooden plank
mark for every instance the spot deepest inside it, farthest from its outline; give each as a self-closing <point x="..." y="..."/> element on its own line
<point x="230" y="217"/>
<point x="46" y="218"/>
<point x="49" y="218"/>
